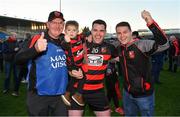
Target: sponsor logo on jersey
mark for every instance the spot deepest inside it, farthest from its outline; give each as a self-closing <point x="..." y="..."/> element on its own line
<point x="95" y="60"/>
<point x="95" y="50"/>
<point x="79" y="52"/>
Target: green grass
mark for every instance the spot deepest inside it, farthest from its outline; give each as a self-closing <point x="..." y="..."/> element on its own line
<point x="167" y="98"/>
<point x="10" y="105"/>
<point x="168" y="94"/>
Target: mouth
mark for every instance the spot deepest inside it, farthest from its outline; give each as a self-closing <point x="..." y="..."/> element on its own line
<point x="122" y="40"/>
<point x="98" y="37"/>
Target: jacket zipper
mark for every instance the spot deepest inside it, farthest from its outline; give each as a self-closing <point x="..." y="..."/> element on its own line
<point x="142" y="84"/>
<point x="125" y="65"/>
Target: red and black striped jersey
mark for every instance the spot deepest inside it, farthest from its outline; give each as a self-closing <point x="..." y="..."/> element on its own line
<point x="98" y="56"/>
<point x="75" y="53"/>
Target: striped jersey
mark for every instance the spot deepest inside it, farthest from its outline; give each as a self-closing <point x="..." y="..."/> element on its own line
<point x="75" y="53"/>
<point x="98" y="56"/>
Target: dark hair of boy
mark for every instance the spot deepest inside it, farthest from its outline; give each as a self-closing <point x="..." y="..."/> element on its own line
<point x="72" y="23"/>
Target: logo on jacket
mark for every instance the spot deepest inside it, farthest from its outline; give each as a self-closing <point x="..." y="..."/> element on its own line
<point x="103" y="49"/>
<point x="58" y="61"/>
<point x="131" y="54"/>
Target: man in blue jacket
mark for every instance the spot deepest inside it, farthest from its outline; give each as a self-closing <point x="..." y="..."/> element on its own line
<point x="47" y="70"/>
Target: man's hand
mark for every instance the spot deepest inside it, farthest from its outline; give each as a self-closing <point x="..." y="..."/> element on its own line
<point x="41" y="44"/>
<point x="146" y="16"/>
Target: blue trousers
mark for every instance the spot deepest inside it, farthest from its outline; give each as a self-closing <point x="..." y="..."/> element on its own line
<point x="134" y="106"/>
<point x="9" y="67"/>
<point x="156" y="69"/>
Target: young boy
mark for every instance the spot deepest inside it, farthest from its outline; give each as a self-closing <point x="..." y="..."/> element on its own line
<point x="74" y="61"/>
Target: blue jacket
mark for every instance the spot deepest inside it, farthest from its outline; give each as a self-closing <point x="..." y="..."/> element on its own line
<point x="47" y="71"/>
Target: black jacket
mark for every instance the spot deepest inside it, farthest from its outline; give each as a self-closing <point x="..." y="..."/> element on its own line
<point x="136" y="64"/>
<point x="10" y="49"/>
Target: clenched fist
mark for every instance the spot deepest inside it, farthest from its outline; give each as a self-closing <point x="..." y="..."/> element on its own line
<point x="146" y="16"/>
<point x="41" y="44"/>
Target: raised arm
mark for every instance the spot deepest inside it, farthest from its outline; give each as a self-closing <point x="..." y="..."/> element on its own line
<point x="159" y="36"/>
<point x="159" y="42"/>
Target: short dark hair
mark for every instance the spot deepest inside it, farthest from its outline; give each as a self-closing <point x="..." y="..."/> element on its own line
<point x="124" y="24"/>
<point x="135" y="33"/>
<point x="72" y="23"/>
<point x="99" y="21"/>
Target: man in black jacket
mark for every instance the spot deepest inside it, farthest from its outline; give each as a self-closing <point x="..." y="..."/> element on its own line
<point x="10" y="48"/>
<point x="134" y="54"/>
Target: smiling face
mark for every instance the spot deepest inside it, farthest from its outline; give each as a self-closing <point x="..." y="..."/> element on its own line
<point x="124" y="35"/>
<point x="71" y="31"/>
<point x="98" y="32"/>
<point x="55" y="27"/>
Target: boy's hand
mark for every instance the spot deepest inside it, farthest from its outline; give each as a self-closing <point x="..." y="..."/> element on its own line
<point x="41" y="44"/>
<point x="67" y="38"/>
<point x="146" y="16"/>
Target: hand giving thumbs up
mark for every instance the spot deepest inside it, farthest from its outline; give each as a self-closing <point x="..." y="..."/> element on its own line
<point x="41" y="43"/>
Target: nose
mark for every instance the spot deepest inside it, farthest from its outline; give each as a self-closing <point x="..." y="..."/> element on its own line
<point x="98" y="33"/>
<point x="122" y="35"/>
<point x="71" y="32"/>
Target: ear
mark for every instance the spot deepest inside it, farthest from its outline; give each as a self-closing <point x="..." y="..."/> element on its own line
<point x="47" y="24"/>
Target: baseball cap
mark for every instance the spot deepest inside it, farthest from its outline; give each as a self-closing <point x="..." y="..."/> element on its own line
<point x="55" y="14"/>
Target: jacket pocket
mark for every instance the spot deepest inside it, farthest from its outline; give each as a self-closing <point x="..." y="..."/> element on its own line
<point x="137" y="85"/>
